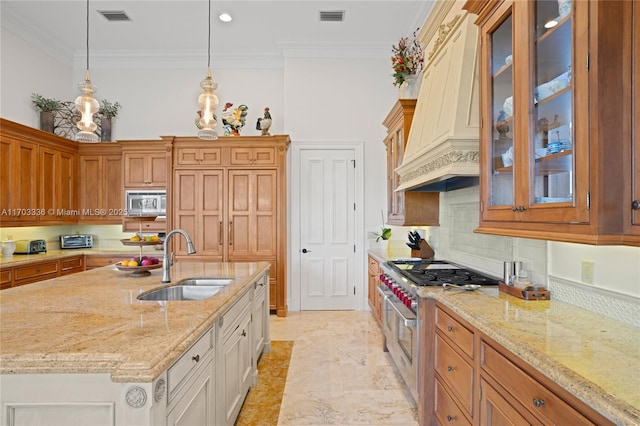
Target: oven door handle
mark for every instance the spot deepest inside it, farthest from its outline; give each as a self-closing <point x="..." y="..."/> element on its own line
<point x="408" y="318"/>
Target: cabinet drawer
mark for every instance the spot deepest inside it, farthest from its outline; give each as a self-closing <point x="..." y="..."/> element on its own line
<point x="374" y="266"/>
<point x="135" y="225"/>
<point x="455" y="372"/>
<point x="5" y="278"/>
<point x="231" y="317"/>
<point x="454" y="330"/>
<point x="183" y="368"/>
<point x="71" y="265"/>
<point x="446" y="410"/>
<point x="99" y="261"/>
<point x="35" y="272"/>
<point x="539" y="400"/>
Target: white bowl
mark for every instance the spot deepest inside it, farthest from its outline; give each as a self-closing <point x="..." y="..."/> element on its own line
<point x="550" y="87"/>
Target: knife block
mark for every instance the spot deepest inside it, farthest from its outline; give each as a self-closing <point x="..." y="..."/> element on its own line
<point x="425" y="252"/>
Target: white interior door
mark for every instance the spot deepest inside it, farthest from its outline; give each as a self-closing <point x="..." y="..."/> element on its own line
<point x="327" y="222"/>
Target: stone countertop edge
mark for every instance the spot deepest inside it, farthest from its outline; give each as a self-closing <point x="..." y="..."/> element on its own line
<point x="67" y="335"/>
<point x="486" y="310"/>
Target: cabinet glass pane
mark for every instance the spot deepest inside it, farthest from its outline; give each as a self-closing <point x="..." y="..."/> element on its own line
<point x="553" y="142"/>
<point x="502" y="150"/>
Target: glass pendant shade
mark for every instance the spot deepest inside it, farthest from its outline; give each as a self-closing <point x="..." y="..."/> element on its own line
<point x="87" y="105"/>
<point x="208" y="102"/>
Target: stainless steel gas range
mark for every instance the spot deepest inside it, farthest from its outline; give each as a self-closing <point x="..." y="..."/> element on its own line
<point x="400" y="282"/>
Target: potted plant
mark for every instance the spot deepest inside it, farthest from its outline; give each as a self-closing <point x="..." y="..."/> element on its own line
<point x="384" y="235"/>
<point x="108" y="111"/>
<point x="47" y="108"/>
<point x="407" y="62"/>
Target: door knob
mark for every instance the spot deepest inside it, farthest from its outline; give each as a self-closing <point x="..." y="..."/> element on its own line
<point x="304" y="250"/>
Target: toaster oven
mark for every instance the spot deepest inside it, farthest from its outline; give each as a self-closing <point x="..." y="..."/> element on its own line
<point x="76" y="241"/>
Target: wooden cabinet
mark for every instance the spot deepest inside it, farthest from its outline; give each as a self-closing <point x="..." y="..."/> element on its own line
<point x="632" y="212"/>
<point x="101" y="191"/>
<point x="454" y="370"/>
<point x="39" y="177"/>
<point x="532" y="398"/>
<point x="405" y="207"/>
<point x="375" y="299"/>
<point x="551" y="84"/>
<point x="40" y="270"/>
<point x="231" y="199"/>
<point x="145" y="169"/>
<point x="198" y="208"/>
<point x="99" y="260"/>
<point x="58" y="183"/>
<point x="470" y="379"/>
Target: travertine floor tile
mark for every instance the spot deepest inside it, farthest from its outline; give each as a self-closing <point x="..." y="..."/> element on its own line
<point x="338" y="373"/>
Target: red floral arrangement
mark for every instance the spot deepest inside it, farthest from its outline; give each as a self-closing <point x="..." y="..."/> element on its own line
<point x="407" y="59"/>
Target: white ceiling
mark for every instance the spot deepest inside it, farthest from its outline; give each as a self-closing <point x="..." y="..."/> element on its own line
<point x="175" y="32"/>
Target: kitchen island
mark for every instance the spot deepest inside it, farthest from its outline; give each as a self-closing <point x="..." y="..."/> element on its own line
<point x="84" y="341"/>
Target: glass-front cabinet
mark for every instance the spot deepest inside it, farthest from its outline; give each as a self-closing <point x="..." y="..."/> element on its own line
<point x="555" y="97"/>
<point x="533" y="148"/>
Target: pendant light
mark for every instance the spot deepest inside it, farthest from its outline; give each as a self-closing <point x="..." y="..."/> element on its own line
<point x="208" y="101"/>
<point x="86" y="103"/>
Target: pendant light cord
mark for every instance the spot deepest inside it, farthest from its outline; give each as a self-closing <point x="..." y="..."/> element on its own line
<point x="208" y="39"/>
<point x="87" y="35"/>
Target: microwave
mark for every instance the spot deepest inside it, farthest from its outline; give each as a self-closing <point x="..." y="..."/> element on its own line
<point x="146" y="202"/>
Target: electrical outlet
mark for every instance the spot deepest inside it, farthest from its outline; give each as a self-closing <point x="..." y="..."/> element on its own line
<point x="587" y="271"/>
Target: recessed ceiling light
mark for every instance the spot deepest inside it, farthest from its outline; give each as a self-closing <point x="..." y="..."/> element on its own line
<point x="225" y="17"/>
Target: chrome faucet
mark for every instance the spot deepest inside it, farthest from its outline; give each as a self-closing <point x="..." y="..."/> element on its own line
<point x="167" y="260"/>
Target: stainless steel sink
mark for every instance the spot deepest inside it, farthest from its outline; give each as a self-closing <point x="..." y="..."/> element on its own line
<point x="205" y="281"/>
<point x="188" y="289"/>
<point x="182" y="292"/>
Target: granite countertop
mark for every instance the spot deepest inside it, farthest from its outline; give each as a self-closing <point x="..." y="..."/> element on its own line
<point x="591" y="356"/>
<point x="24" y="259"/>
<point x="92" y="322"/>
<point x="595" y="358"/>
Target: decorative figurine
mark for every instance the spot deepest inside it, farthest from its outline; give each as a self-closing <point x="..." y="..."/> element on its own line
<point x="264" y="123"/>
<point x="234" y="121"/>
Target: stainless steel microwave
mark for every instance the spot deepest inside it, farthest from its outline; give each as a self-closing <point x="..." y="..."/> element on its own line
<point x="146" y="202"/>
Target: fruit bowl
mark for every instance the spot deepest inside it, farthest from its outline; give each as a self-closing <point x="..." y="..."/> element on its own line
<point x="138" y="271"/>
<point x="128" y="242"/>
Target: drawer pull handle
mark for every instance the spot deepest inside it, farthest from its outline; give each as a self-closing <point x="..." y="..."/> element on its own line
<point x="196" y="358"/>
<point x="450" y="368"/>
<point x="450" y="418"/>
<point x="450" y="329"/>
<point x="538" y="402"/>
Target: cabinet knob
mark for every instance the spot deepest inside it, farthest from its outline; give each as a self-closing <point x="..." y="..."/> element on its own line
<point x="521" y="208"/>
<point x="514" y="209"/>
<point x="244" y="333"/>
<point x="635" y="205"/>
<point x="450" y="418"/>
<point x="196" y="358"/>
<point x="450" y="368"/>
<point x="450" y="329"/>
<point x="538" y="402"/>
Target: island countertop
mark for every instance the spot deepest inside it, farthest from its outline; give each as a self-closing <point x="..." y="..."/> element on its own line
<point x="92" y="322"/>
<point x="595" y="358"/>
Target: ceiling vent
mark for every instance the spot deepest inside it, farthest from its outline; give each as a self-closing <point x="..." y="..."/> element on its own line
<point x="331" y="15"/>
<point x="114" y="15"/>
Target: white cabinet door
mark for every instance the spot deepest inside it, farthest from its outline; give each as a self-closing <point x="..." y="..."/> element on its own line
<point x="197" y="405"/>
<point x="237" y="363"/>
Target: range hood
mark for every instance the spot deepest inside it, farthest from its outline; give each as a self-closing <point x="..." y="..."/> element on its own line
<point x="442" y="152"/>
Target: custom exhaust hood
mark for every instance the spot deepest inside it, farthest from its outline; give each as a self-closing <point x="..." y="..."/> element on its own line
<point x="442" y="152"/>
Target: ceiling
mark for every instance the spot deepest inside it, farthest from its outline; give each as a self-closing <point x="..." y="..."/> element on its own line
<point x="175" y="32"/>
